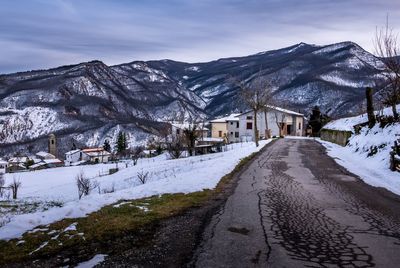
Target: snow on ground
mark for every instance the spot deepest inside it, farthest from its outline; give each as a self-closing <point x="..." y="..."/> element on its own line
<point x="347" y="124"/>
<point x="99" y="258"/>
<point x="367" y="154"/>
<point x="165" y="176"/>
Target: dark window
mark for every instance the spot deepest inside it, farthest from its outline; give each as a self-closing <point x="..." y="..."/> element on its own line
<point x="299" y="125"/>
<point x="177" y="131"/>
<point x="237" y="124"/>
<point x="231" y="123"/>
<point x="220" y="133"/>
<point x="249" y="125"/>
<point x="232" y="133"/>
<point x="52" y="141"/>
<point x="249" y="117"/>
<point x="236" y="134"/>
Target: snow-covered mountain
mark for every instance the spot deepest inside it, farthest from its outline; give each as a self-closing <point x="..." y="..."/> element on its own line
<point x="89" y="102"/>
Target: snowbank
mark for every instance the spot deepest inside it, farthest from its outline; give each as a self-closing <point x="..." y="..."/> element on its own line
<point x="367" y="154"/>
<point x="348" y="123"/>
<point x="166" y="176"/>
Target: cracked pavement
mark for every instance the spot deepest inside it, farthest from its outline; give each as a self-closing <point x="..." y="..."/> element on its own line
<point x="295" y="207"/>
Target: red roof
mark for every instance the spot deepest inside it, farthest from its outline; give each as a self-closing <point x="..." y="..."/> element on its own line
<point x="91" y="150"/>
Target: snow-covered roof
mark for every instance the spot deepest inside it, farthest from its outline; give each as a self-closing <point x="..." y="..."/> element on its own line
<point x="279" y="109"/>
<point x="231" y="117"/>
<point x="211" y="139"/>
<point x="348" y="123"/>
<point x="45" y="155"/>
<point x="284" y="110"/>
<point x="52" y="161"/>
<point x="22" y="159"/>
<point x="3" y="162"/>
<point x="37" y="165"/>
<point x="73" y="152"/>
<point x="187" y="125"/>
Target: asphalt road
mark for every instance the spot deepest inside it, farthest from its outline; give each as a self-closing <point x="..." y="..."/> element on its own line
<point x="295" y="207"/>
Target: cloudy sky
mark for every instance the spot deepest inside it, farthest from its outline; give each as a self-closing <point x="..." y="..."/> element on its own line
<point x="47" y="33"/>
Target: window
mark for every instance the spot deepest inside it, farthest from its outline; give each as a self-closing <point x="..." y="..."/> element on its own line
<point x="177" y="131"/>
<point x="299" y="125"/>
<point x="249" y="125"/>
<point x="231" y="133"/>
<point x="231" y="123"/>
<point x="52" y="141"/>
<point x="237" y="124"/>
<point x="236" y="134"/>
<point x="220" y="133"/>
<point x="249" y="117"/>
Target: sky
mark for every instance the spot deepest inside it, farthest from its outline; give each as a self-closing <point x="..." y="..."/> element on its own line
<point x="39" y="34"/>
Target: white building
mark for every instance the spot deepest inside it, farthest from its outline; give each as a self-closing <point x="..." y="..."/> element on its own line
<point x="92" y="155"/>
<point x="178" y="128"/>
<point x="72" y="157"/>
<point x="281" y="122"/>
<point x="3" y="166"/>
<point x="95" y="155"/>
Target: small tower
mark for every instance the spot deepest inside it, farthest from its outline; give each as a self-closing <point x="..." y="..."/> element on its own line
<point x="53" y="144"/>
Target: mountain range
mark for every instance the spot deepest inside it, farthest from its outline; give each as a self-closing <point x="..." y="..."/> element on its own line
<point x="89" y="102"/>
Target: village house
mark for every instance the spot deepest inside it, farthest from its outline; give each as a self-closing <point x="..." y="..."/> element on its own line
<point x="178" y="128"/>
<point x="3" y="166"/>
<point x="281" y="122"/>
<point x="91" y="155"/>
<point x="17" y="163"/>
<point x="226" y="128"/>
<point x="47" y="163"/>
<point x="96" y="155"/>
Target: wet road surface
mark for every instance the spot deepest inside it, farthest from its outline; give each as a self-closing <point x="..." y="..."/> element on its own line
<point x="295" y="207"/>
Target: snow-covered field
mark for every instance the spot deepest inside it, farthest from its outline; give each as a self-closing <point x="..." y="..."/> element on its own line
<point x="373" y="168"/>
<point x="165" y="176"/>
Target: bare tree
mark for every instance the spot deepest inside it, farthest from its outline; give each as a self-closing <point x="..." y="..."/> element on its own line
<point x="175" y="146"/>
<point x="85" y="185"/>
<point x="143" y="176"/>
<point x="14" y="186"/>
<point x="388" y="49"/>
<point x="257" y="94"/>
<point x="280" y="119"/>
<point x="137" y="152"/>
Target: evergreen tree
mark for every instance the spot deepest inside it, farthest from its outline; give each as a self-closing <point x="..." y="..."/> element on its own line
<point x="121" y="142"/>
<point x="107" y="146"/>
<point x="317" y="120"/>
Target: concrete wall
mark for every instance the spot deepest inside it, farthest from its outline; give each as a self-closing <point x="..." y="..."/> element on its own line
<point x="336" y="136"/>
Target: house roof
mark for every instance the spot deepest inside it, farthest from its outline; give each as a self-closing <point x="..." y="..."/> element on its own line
<point x="73" y="152"/>
<point x="18" y="159"/>
<point x="52" y="161"/>
<point x="231" y="117"/>
<point x="45" y="154"/>
<point x="186" y="125"/>
<point x="276" y="108"/>
<point x="90" y="150"/>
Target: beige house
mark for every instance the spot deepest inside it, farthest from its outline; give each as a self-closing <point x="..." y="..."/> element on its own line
<point x="226" y="128"/>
